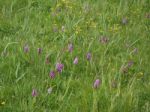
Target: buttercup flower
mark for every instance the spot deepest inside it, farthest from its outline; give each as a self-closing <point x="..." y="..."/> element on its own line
<point x="59" y="67"/>
<point x="97" y="83"/>
<point x="75" y="61"/>
<point x="3" y="103"/>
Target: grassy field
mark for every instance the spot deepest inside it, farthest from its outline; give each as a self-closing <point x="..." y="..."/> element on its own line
<point x="74" y="56"/>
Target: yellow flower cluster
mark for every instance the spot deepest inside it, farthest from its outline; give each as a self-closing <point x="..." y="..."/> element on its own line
<point x="140" y="75"/>
<point x="3" y="103"/>
<point x="91" y="23"/>
<point x="77" y="30"/>
<point x="67" y="4"/>
<point x="115" y="28"/>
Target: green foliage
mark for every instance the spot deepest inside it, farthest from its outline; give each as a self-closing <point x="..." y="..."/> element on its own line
<point x="52" y="25"/>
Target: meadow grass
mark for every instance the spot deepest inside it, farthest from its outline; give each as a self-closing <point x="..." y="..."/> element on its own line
<point x="114" y="32"/>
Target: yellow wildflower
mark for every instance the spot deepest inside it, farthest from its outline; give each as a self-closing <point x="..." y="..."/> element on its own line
<point x="93" y="24"/>
<point x="3" y="103"/>
<point x="140" y="74"/>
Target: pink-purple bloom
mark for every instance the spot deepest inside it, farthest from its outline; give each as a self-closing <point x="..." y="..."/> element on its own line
<point x="75" y="60"/>
<point x="70" y="47"/>
<point x="97" y="83"/>
<point x="34" y="92"/>
<point x="130" y="63"/>
<point x="104" y="40"/>
<point x="59" y="67"/>
<point x="88" y="56"/>
<point x="52" y="74"/>
<point x="26" y="48"/>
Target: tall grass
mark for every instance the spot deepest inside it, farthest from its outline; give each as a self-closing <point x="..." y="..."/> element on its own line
<point x="115" y="32"/>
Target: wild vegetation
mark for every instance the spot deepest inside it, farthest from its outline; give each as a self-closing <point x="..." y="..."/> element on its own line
<point x="74" y="56"/>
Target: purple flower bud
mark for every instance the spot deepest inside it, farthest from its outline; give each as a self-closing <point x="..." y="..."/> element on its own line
<point x="34" y="92"/>
<point x="49" y="90"/>
<point x="75" y="60"/>
<point x="88" y="56"/>
<point x="47" y="60"/>
<point x="26" y="48"/>
<point x="70" y="47"/>
<point x="59" y="67"/>
<point x="97" y="83"/>
<point x="39" y="50"/>
<point x="52" y="74"/>
<point x="104" y="40"/>
<point x="130" y="63"/>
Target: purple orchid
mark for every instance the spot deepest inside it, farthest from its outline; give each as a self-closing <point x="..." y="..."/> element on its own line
<point x="75" y="60"/>
<point x="59" y="67"/>
<point x="26" y="48"/>
<point x="88" y="56"/>
<point x="52" y="74"/>
<point x="70" y="47"/>
<point x="34" y="92"/>
<point x="97" y="83"/>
